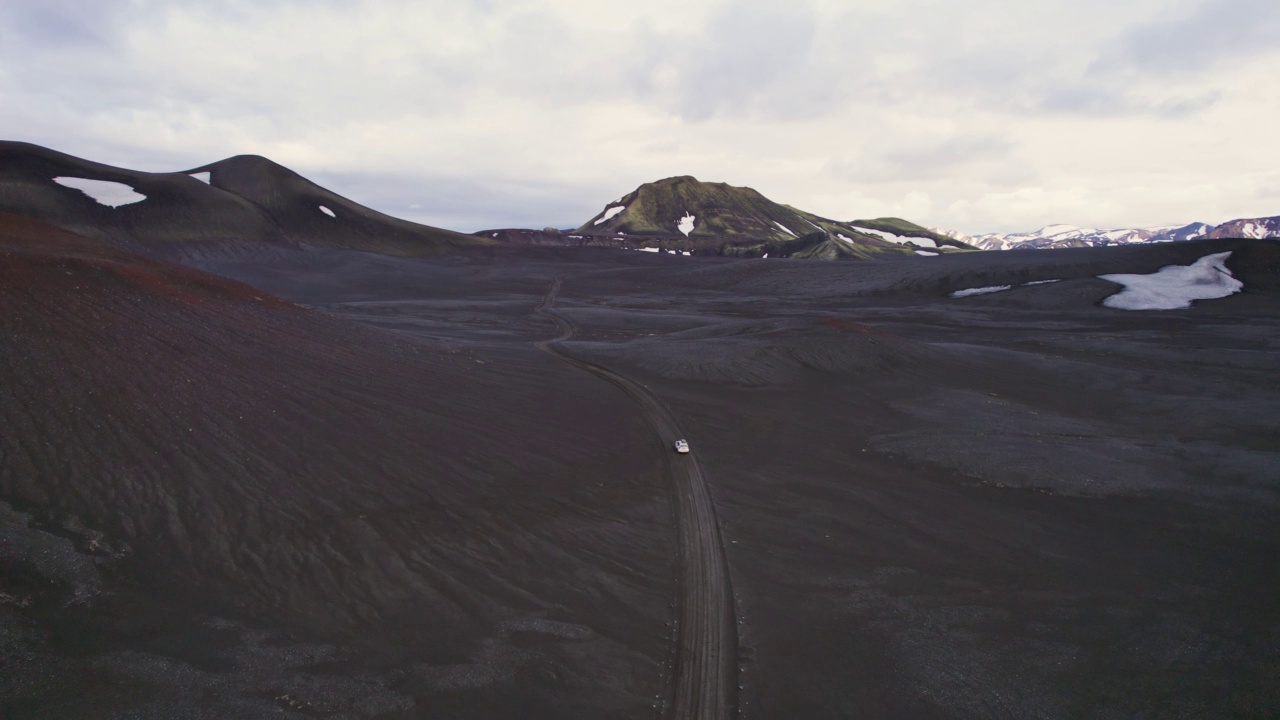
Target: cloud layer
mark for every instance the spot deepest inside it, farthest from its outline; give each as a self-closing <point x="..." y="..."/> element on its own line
<point x="974" y="116"/>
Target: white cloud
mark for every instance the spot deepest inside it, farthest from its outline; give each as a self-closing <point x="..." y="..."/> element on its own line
<point x="998" y="115"/>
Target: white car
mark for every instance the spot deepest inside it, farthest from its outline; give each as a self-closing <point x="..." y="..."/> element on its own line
<point x="682" y="446"/>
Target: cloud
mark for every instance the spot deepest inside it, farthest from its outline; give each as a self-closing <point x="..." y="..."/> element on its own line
<point x="903" y="159"/>
<point x="534" y="113"/>
<point x="59" y="23"/>
<point x="751" y="57"/>
<point x="468" y="204"/>
<point x="1215" y="33"/>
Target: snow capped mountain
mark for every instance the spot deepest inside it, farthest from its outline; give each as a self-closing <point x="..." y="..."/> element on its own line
<point x="1047" y="236"/>
<point x="1186" y="232"/>
<point x="1266" y="227"/>
<point x="1061" y="236"/>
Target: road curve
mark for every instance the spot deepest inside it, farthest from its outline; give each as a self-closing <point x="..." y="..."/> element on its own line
<point x="706" y="638"/>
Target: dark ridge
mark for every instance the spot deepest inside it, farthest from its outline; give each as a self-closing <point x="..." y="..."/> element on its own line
<point x="295" y="203"/>
<point x="250" y="202"/>
<point x="179" y="210"/>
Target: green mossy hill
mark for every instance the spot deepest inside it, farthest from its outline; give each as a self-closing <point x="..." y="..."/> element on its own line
<point x="717" y="210"/>
<point x="741" y="221"/>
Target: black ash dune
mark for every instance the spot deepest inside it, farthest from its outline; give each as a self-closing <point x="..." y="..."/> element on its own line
<point x="252" y="468"/>
<point x="389" y="504"/>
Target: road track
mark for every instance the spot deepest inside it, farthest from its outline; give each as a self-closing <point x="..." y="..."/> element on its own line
<point x="705" y="670"/>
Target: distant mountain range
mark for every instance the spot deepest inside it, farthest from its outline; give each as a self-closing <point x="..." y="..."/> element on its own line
<point x="685" y="215"/>
<point x="1062" y="236"/>
<point x="250" y="199"/>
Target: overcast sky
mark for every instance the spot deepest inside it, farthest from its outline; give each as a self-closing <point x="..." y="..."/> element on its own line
<point x="469" y="114"/>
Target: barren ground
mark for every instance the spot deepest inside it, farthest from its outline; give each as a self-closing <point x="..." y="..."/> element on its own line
<point x="392" y="505"/>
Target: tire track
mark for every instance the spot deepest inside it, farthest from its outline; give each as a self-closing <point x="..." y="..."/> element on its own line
<point x="706" y="638"/>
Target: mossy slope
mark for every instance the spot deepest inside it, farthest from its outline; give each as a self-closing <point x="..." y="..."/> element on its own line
<point x="740" y="221"/>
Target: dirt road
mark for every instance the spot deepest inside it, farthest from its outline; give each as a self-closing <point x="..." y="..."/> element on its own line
<point x="706" y="639"/>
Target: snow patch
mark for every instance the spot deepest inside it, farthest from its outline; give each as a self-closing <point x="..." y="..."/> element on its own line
<point x="112" y="194"/>
<point x="1042" y="282"/>
<point x="686" y="223"/>
<point x="1174" y="287"/>
<point x="784" y="229"/>
<point x="899" y="239"/>
<point x="650" y="250"/>
<point x="979" y="290"/>
<point x="326" y="211"/>
<point x="848" y="240"/>
<point x="926" y="254"/>
<point x="686" y="253"/>
<point x="204" y="177"/>
<point x="765" y="256"/>
<point x="610" y="213"/>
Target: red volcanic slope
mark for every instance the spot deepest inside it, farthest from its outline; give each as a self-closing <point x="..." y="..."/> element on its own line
<point x="259" y="457"/>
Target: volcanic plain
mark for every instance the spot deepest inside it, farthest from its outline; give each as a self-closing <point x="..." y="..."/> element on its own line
<point x="265" y="481"/>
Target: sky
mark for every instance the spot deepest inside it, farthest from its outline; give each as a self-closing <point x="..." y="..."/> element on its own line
<point x="983" y="116"/>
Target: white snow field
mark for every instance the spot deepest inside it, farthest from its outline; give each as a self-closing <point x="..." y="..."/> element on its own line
<point x="686" y="224"/>
<point x="1174" y="287"/>
<point x="608" y="214"/>
<point x="111" y="194"/>
<point x="1253" y="230"/>
<point x="204" y="177"/>
<point x="784" y="229"/>
<point x="979" y="290"/>
<point x="326" y="211"/>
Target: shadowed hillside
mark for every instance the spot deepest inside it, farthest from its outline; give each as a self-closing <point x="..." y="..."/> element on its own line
<point x="247" y="201"/>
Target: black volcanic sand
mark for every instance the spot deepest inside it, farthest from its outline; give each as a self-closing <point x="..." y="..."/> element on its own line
<point x="1021" y="504"/>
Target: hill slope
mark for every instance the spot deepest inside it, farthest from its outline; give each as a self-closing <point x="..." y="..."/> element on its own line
<point x="206" y="451"/>
<point x="1266" y="227"/>
<point x="234" y="201"/>
<point x="717" y="218"/>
